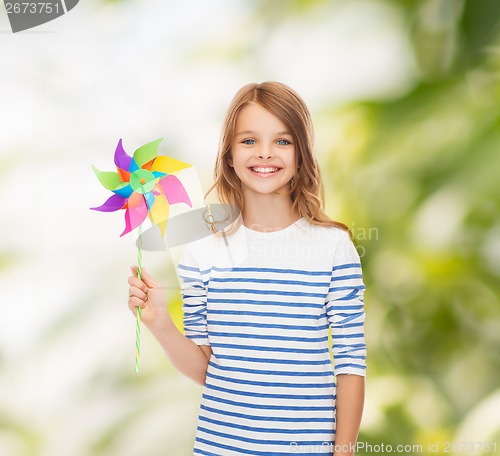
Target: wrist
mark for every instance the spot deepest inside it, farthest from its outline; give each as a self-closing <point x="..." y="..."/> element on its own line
<point x="161" y="323"/>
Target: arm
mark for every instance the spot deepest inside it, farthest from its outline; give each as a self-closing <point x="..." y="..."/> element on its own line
<point x="189" y="358"/>
<point x="345" y="312"/>
<point x="350" y="401"/>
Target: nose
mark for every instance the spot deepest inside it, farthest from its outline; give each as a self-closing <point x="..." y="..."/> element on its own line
<point x="265" y="152"/>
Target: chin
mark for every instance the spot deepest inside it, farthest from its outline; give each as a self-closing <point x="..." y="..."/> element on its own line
<point x="281" y="189"/>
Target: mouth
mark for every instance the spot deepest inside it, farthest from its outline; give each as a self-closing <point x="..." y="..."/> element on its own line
<point x="264" y="170"/>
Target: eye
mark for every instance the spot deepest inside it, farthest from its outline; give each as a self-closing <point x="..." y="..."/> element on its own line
<point x="283" y="142"/>
<point x="248" y="141"/>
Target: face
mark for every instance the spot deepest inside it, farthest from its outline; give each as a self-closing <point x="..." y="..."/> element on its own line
<point x="262" y="152"/>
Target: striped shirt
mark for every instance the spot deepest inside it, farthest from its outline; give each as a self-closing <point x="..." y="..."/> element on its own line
<point x="265" y="303"/>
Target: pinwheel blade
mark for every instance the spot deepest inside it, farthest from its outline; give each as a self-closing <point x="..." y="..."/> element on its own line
<point x="136" y="200"/>
<point x="174" y="190"/>
<point x="136" y="213"/>
<point x="112" y="204"/>
<point x="150" y="199"/>
<point x="124" y="191"/>
<point x="146" y="153"/>
<point x="109" y="180"/>
<point x="148" y="164"/>
<point x="159" y="213"/>
<point x="122" y="159"/>
<point x="158" y="174"/>
<point x="124" y="175"/>
<point x="168" y="165"/>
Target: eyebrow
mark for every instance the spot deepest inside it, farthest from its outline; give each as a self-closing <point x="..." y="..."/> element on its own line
<point x="250" y="132"/>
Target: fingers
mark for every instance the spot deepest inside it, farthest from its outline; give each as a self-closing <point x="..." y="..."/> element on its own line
<point x="148" y="280"/>
<point x="137" y="292"/>
<point x="134" y="302"/>
<point x="134" y="281"/>
<point x="138" y="289"/>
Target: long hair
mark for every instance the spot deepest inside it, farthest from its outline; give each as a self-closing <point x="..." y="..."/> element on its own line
<point x="306" y="188"/>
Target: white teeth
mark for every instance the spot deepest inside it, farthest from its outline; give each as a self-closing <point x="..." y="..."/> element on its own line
<point x="265" y="170"/>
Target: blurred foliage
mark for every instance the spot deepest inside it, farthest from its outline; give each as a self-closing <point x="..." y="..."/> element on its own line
<point x="425" y="175"/>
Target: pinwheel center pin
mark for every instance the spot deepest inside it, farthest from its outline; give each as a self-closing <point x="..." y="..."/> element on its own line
<point x="142" y="181"/>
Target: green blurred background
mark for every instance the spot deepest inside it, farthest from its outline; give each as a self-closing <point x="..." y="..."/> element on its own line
<point x="405" y="97"/>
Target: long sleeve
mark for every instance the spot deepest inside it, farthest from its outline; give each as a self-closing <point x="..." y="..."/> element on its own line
<point x="194" y="299"/>
<point x="345" y="310"/>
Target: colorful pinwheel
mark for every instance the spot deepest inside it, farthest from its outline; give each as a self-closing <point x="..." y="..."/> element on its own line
<point x="144" y="186"/>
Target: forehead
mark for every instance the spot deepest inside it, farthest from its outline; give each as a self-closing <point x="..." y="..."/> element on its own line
<point x="254" y="117"/>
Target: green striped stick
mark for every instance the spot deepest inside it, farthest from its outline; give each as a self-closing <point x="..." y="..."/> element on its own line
<point x="138" y="313"/>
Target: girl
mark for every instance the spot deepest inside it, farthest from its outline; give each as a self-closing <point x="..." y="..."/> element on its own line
<point x="259" y="303"/>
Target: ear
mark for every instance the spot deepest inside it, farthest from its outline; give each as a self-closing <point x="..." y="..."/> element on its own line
<point x="230" y="161"/>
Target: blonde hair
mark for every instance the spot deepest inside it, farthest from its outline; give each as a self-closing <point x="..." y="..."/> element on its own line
<point x="306" y="189"/>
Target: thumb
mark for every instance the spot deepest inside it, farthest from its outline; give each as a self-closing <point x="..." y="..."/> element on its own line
<point x="134" y="270"/>
<point x="148" y="280"/>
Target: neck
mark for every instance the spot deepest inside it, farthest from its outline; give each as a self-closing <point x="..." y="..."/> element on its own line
<point x="269" y="212"/>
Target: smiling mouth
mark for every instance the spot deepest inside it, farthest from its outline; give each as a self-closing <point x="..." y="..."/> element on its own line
<point x="265" y="169"/>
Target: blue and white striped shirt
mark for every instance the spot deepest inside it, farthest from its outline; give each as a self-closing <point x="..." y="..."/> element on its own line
<point x="265" y="305"/>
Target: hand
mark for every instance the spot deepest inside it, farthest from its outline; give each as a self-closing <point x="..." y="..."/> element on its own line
<point x="148" y="295"/>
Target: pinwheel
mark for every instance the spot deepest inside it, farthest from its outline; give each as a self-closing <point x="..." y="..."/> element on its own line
<point x="144" y="185"/>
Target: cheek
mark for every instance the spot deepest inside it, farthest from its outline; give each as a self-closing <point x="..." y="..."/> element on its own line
<point x="291" y="162"/>
<point x="236" y="158"/>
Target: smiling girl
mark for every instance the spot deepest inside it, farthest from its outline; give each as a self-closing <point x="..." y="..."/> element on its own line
<point x="256" y="330"/>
